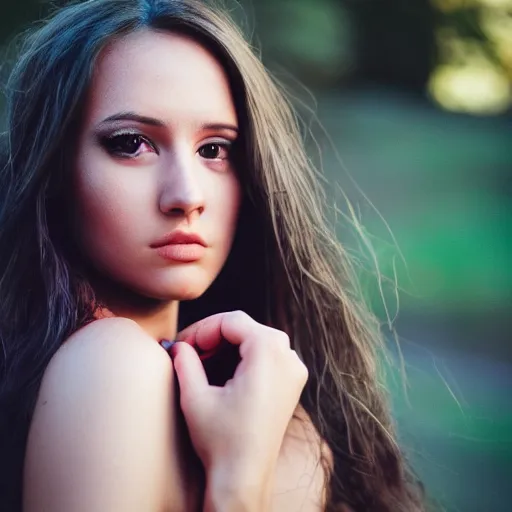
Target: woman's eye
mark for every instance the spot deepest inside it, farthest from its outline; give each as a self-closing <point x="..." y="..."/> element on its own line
<point x="126" y="144"/>
<point x="215" y="151"/>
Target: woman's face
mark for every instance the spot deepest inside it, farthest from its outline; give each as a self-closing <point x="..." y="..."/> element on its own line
<point x="154" y="159"/>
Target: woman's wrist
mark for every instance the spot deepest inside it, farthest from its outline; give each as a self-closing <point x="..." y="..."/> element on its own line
<point x="236" y="490"/>
<point x="216" y="500"/>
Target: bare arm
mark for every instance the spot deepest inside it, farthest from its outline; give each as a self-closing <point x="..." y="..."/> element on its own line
<point x="103" y="435"/>
<point x="300" y="479"/>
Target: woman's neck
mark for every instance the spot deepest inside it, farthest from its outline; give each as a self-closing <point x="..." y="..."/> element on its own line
<point x="159" y="318"/>
<point x="159" y="321"/>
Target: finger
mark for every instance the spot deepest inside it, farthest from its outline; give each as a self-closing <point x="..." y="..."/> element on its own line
<point x="233" y="326"/>
<point x="206" y="333"/>
<point x="190" y="373"/>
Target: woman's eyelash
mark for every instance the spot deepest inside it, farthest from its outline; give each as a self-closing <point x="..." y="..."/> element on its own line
<point x="125" y="143"/>
<point x="207" y="149"/>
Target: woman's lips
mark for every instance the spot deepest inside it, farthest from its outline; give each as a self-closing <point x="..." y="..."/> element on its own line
<point x="180" y="246"/>
<point x="184" y="253"/>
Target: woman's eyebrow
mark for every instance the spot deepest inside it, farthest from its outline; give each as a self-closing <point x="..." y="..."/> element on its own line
<point x="133" y="116"/>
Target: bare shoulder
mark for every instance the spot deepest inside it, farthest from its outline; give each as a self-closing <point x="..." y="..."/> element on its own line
<point x="300" y="475"/>
<point x="103" y="423"/>
<point x="111" y="359"/>
<point x="110" y="337"/>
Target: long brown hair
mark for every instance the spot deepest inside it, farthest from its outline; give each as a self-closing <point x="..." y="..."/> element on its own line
<point x="291" y="272"/>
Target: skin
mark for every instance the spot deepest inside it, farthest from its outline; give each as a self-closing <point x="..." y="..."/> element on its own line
<point x="122" y="448"/>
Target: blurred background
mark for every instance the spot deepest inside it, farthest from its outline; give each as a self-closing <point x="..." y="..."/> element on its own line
<point x="410" y="104"/>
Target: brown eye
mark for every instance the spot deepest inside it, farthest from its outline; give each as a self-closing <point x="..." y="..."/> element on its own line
<point x="213" y="151"/>
<point x="125" y="144"/>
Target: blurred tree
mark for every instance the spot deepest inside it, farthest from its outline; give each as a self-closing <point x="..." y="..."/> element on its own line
<point x="311" y="39"/>
<point x="474" y="69"/>
<point x="395" y="41"/>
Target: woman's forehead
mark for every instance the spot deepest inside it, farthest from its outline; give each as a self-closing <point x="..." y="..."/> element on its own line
<point x="160" y="74"/>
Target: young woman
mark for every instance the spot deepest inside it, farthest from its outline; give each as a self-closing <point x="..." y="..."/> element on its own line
<point x="154" y="187"/>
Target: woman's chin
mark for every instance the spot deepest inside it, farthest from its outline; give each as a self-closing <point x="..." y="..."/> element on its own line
<point x="181" y="288"/>
<point x="190" y="294"/>
<point x="181" y="284"/>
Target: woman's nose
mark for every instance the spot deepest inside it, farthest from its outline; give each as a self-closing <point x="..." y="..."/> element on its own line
<point x="182" y="193"/>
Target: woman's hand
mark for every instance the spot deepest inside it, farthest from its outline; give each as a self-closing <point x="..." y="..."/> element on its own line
<point x="237" y="429"/>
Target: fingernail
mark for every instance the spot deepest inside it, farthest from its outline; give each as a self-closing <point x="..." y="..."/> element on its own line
<point x="167" y="346"/>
